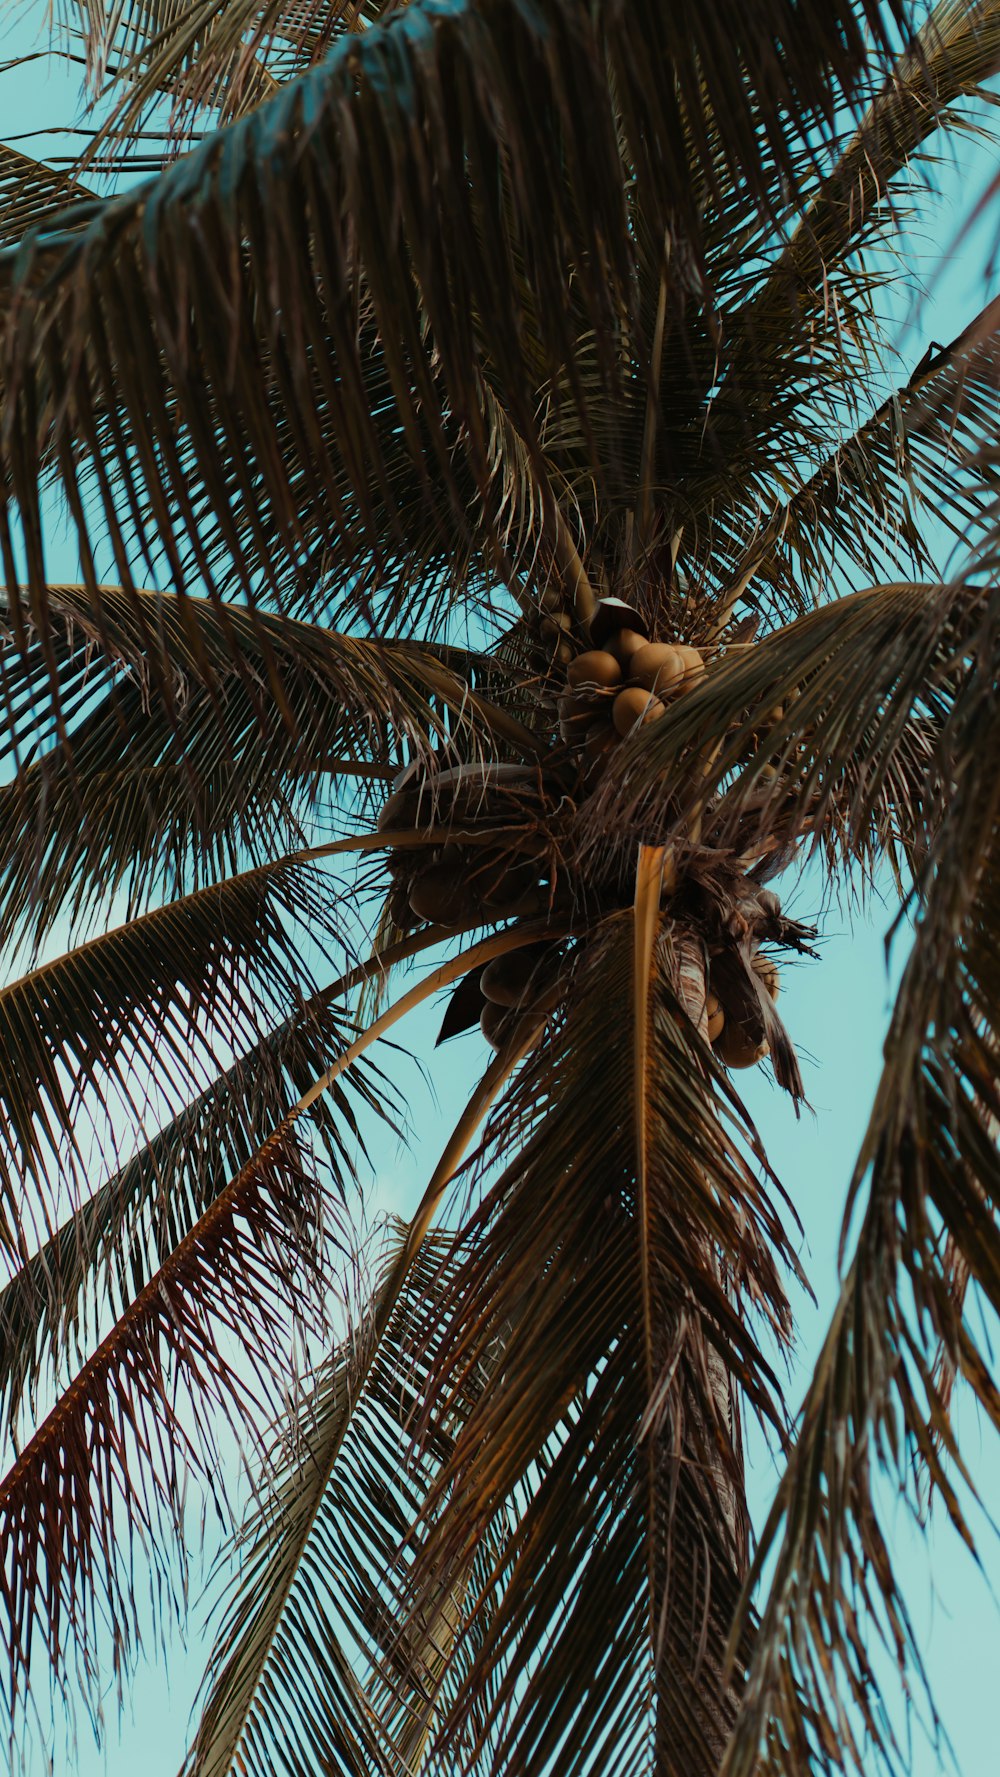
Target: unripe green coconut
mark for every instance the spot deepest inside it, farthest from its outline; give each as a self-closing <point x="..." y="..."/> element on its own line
<point x="634" y="706"/>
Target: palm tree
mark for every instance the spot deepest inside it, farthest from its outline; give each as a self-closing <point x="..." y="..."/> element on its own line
<point x="503" y="552"/>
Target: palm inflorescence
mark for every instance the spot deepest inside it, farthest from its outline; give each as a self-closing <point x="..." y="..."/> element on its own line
<point x="507" y="548"/>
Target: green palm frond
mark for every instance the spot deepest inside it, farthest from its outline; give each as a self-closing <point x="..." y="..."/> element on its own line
<point x="928" y="1168"/>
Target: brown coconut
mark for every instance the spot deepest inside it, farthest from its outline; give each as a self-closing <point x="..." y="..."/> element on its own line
<point x="576" y="713"/>
<point x="613" y="616"/>
<point x="768" y="974"/>
<point x="691" y="662"/>
<point x="716" y="1017"/>
<point x="633" y="707"/>
<point x="596" y="667"/>
<point x="507" y="979"/>
<point x="657" y="666"/>
<point x="558" y="624"/>
<point x="625" y="644"/>
<point x="737" y="1049"/>
<point x="441" y="895"/>
<point x="504" y="1028"/>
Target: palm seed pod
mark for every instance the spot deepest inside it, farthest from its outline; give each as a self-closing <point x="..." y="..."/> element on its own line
<point x="556" y="625"/>
<point x="737" y="1049"/>
<point x="596" y="667"/>
<point x="657" y="666"/>
<point x="716" y="1016"/>
<point x="625" y="644"/>
<point x="692" y="663"/>
<point x="634" y="706"/>
<point x="502" y="1027"/>
<point x="768" y="974"/>
<point x="510" y="978"/>
<point x="441" y="895"/>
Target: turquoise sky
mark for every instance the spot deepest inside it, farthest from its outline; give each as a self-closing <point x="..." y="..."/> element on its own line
<point x="836" y="1011"/>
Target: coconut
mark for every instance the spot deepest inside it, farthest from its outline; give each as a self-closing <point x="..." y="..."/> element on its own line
<point x="657" y="666"/>
<point x="502" y="879"/>
<point x="691" y="662"/>
<point x="768" y="974"/>
<point x="626" y="643"/>
<point x="508" y="979"/>
<point x="503" y="1028"/>
<point x="576" y="714"/>
<point x="557" y="624"/>
<point x="596" y="667"/>
<point x="440" y="894"/>
<point x="611" y="617"/>
<point x="716" y="1016"/>
<point x="564" y="653"/>
<point x="634" y="706"/>
<point x="737" y="1049"/>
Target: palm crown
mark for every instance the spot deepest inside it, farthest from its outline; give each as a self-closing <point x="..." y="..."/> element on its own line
<point x="478" y="446"/>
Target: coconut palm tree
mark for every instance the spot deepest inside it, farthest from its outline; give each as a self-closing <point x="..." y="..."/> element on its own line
<point x="508" y="546"/>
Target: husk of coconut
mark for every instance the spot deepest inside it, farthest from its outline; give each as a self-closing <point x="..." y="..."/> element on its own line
<point x="768" y="974"/>
<point x="508" y="979"/>
<point x="737" y="1049"/>
<point x="503" y="1028"/>
<point x="692" y="663"/>
<point x="596" y="667"/>
<point x="440" y="893"/>
<point x="715" y="1015"/>
<point x="635" y="706"/>
<point x="658" y="667"/>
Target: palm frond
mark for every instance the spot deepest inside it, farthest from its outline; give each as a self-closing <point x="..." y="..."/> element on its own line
<point x="31" y="193"/>
<point x="106" y="1251"/>
<point x="130" y="1021"/>
<point x="240" y="728"/>
<point x="554" y="1271"/>
<point x="823" y="736"/>
<point x="920" y="454"/>
<point x="929" y="1178"/>
<point x="343" y="1494"/>
<point x="531" y="188"/>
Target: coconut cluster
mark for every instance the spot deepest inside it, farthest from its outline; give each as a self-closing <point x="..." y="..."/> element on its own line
<point x="452" y="883"/>
<point x="478" y="844"/>
<point x="627" y="681"/>
<point x="519" y="989"/>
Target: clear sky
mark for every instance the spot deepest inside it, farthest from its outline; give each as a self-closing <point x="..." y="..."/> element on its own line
<point x="836" y="1011"/>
